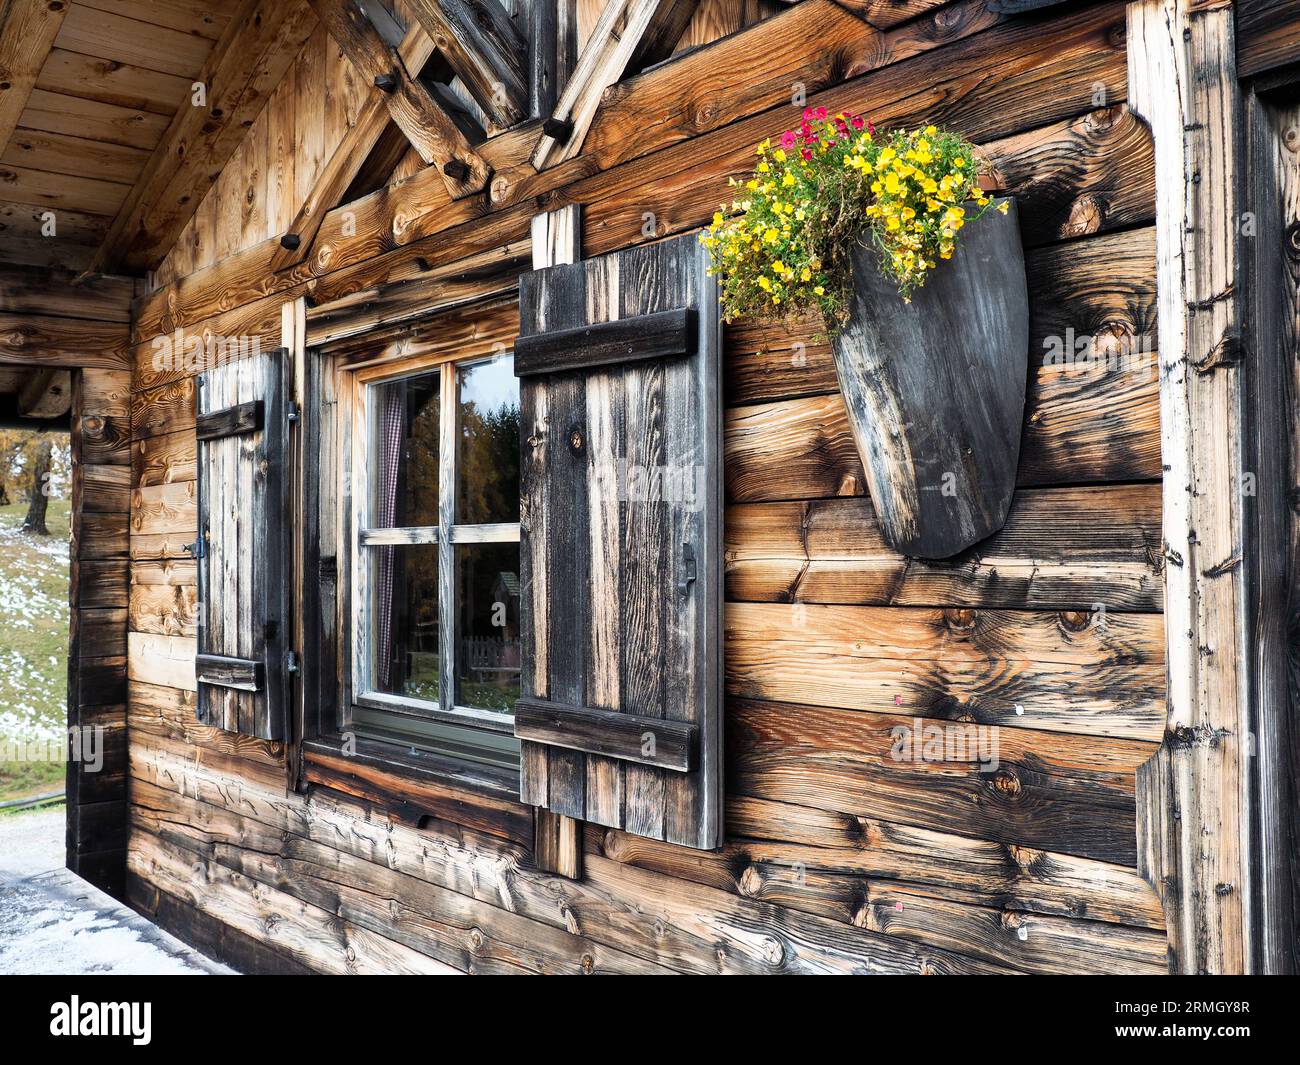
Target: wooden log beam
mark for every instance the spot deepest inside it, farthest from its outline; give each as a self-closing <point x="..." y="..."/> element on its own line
<point x="1194" y="841"/>
<point x="245" y="66"/>
<point x="411" y="104"/>
<point x="27" y="32"/>
<point x="630" y="34"/>
<point x="481" y="44"/>
<point x="69" y="343"/>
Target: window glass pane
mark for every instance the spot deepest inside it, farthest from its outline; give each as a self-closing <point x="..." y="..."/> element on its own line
<point x="404" y="452"/>
<point x="403" y="623"/>
<point x="488" y="463"/>
<point x="487" y="626"/>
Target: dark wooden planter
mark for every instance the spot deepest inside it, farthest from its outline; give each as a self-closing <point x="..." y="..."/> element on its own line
<point x="935" y="389"/>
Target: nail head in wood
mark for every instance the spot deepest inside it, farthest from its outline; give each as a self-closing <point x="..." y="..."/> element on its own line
<point x="291" y="241"/>
<point x="387" y="82"/>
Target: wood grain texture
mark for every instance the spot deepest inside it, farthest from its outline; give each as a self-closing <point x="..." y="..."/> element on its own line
<point x="1085" y="549"/>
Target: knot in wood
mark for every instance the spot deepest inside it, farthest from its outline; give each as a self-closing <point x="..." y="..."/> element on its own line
<point x="476" y="941"/>
<point x="1293" y="240"/>
<point x="1006" y="782"/>
<point x="576" y="442"/>
<point x="588" y="964"/>
<point x="1075" y="620"/>
<point x="750" y="882"/>
<point x="960" y="621"/>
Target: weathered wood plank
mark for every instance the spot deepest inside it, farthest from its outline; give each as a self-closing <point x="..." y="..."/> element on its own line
<point x="1081" y="549"/>
<point x="40" y="340"/>
<point x="1050" y="790"/>
<point x="28" y="29"/>
<point x="1090" y="674"/>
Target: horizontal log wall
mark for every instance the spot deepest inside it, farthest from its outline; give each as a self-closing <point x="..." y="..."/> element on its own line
<point x="839" y="857"/>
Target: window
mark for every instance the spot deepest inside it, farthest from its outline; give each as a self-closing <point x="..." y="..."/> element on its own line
<point x="435" y="613"/>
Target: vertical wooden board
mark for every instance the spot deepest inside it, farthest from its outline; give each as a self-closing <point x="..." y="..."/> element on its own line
<point x="281" y="150"/>
<point x="604" y="401"/>
<point x="227" y="505"/>
<point x="534" y="633"/>
<point x="249" y="513"/>
<point x="309" y="116"/>
<point x="203" y="477"/>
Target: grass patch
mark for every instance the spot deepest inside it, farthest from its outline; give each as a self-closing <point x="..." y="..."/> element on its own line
<point x="33" y="645"/>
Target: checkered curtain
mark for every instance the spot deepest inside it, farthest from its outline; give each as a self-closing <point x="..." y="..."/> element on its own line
<point x="392" y="438"/>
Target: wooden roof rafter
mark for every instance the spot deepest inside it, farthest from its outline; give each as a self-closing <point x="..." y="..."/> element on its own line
<point x="630" y="35"/>
<point x="429" y="122"/>
<point x="27" y="32"/>
<point x="481" y="44"/>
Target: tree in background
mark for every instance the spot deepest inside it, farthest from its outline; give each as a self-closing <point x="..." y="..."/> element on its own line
<point x="33" y="465"/>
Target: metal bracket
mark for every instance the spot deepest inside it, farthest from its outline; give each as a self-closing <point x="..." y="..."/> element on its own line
<point x="195" y="550"/>
<point x="291" y="661"/>
<point x="688" y="569"/>
<point x="295" y="414"/>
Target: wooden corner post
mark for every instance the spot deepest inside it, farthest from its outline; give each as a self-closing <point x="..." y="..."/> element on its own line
<point x="1196" y="796"/>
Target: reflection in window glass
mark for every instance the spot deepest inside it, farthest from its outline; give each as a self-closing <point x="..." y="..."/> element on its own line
<point x="488" y="463"/>
<point x="404" y="630"/>
<point x="487" y="626"/>
<point x="404" y="452"/>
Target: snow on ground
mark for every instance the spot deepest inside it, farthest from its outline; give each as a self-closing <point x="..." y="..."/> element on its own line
<point x="53" y="922"/>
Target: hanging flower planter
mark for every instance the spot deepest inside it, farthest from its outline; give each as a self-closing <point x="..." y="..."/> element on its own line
<point x="935" y="390"/>
<point x="920" y="278"/>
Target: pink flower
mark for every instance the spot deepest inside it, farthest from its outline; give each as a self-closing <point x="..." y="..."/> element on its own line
<point x="821" y="112"/>
<point x="787" y="139"/>
<point x="857" y="121"/>
<point x="806" y="153"/>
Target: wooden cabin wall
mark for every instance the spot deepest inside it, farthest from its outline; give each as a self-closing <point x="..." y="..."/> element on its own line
<point x="838" y="857"/>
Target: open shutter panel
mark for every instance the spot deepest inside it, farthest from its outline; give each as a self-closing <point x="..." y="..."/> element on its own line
<point x="621" y="537"/>
<point x="242" y="426"/>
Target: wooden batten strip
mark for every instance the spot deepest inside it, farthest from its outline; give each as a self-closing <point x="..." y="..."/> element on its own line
<point x="230" y="421"/>
<point x="630" y="737"/>
<point x="245" y="674"/>
<point x="663" y="334"/>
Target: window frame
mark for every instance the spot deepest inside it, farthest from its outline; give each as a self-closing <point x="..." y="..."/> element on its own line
<point x="446" y="536"/>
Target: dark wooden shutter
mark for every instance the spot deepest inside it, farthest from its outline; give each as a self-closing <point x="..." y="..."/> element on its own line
<point x="243" y="564"/>
<point x="621" y="539"/>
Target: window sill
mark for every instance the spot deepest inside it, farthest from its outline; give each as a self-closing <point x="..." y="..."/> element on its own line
<point x="419" y="769"/>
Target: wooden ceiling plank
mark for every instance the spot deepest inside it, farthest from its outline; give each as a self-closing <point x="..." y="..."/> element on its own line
<point x="262" y="40"/>
<point x="30" y="222"/>
<point x="347" y="160"/>
<point x="126" y="40"/>
<point x="60" y="153"/>
<point x="42" y="340"/>
<point x="74" y="74"/>
<point x="426" y="124"/>
<point x="56" y="192"/>
<point x="628" y="32"/>
<point x="482" y="45"/>
<point x="46" y="393"/>
<point x="53" y="112"/>
<point x="27" y="32"/>
<point x="195" y="17"/>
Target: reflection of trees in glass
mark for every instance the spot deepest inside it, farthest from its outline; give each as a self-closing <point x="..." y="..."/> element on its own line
<point x="489" y="464"/>
<point x="420" y="455"/>
<point x="487" y="655"/>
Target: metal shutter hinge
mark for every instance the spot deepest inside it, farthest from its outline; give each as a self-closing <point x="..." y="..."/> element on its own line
<point x="195" y="550"/>
<point x="291" y="661"/>
<point x="688" y="569"/>
<point x="294" y="413"/>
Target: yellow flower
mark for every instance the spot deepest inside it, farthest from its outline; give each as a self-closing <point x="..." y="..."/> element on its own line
<point x="1002" y="207"/>
<point x="717" y="218"/>
<point x="930" y="131"/>
<point x="788" y="179"/>
<point x="818" y="290"/>
<point x="779" y="155"/>
<point x="764" y="283"/>
<point x="805" y="274"/>
<point x="763" y="168"/>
